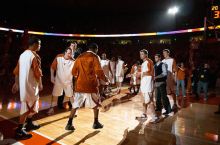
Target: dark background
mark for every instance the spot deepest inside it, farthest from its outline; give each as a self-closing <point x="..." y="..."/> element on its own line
<point x="102" y="16"/>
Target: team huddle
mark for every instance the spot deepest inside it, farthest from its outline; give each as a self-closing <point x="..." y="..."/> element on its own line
<point x="85" y="79"/>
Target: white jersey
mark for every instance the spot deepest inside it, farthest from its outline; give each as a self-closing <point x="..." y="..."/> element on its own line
<point x="64" y="75"/>
<point x="113" y="67"/>
<point x="105" y="66"/>
<point x="29" y="89"/>
<point x="119" y="68"/>
<point x="169" y="64"/>
<point x="146" y="81"/>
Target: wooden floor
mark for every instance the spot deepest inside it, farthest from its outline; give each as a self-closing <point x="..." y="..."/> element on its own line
<point x="194" y="125"/>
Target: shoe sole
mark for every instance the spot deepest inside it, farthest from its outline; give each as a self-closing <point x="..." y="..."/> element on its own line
<point x="27" y="129"/>
<point x="70" y="129"/>
<point x="22" y="138"/>
<point x="97" y="127"/>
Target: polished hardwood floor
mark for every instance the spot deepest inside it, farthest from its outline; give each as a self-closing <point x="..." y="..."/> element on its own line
<point x="194" y="124"/>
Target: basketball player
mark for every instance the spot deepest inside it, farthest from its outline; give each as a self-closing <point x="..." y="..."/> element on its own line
<point x="105" y="64"/>
<point x="113" y="69"/>
<point x="119" y="73"/>
<point x="146" y="87"/>
<point x="75" y="53"/>
<point x="135" y="81"/>
<point x="87" y="71"/>
<point x="28" y="80"/>
<point x="63" y="81"/>
<point x="171" y="68"/>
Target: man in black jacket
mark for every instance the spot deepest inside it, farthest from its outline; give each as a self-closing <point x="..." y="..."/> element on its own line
<point x="204" y="76"/>
<point x="160" y="71"/>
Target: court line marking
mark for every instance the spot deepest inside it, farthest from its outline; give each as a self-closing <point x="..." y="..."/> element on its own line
<point x="50" y="138"/>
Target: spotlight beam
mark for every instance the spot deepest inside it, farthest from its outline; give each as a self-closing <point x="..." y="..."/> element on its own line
<point x="173" y="10"/>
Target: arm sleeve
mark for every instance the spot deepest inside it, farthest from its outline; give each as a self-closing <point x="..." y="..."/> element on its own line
<point x="150" y="69"/>
<point x="54" y="64"/>
<point x="36" y="69"/>
<point x="16" y="70"/>
<point x="75" y="68"/>
<point x="164" y="71"/>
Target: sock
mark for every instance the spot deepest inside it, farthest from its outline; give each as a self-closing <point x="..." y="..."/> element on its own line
<point x="20" y="126"/>
<point x="96" y="120"/>
<point x="70" y="121"/>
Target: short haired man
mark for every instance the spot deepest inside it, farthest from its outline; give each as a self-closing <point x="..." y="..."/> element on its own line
<point x="87" y="71"/>
<point x="119" y="73"/>
<point x="28" y="80"/>
<point x="63" y="80"/>
<point x="160" y="76"/>
<point x="147" y="86"/>
<point x="171" y="74"/>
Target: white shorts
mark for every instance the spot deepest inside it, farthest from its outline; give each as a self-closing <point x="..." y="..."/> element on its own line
<point x="146" y="97"/>
<point x="113" y="80"/>
<point x="71" y="99"/>
<point x="58" y="90"/>
<point x="119" y="79"/>
<point x="91" y="100"/>
<point x="25" y="108"/>
<point x="146" y="84"/>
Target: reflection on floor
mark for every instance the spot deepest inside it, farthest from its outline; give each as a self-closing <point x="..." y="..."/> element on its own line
<point x="193" y="125"/>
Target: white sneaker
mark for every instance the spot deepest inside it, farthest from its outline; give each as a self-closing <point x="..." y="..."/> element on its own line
<point x="51" y="111"/>
<point x="154" y="120"/>
<point x="144" y="115"/>
<point x="171" y="113"/>
<point x="163" y="110"/>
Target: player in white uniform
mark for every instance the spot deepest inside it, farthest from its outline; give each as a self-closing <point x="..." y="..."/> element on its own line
<point x="113" y="69"/>
<point x="63" y="81"/>
<point x="105" y="64"/>
<point x="28" y="80"/>
<point x="171" y="68"/>
<point x="75" y="53"/>
<point x="119" y="73"/>
<point x="135" y="81"/>
<point x="147" y="86"/>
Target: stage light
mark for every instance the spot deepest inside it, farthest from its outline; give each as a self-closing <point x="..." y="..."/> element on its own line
<point x="173" y="10"/>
